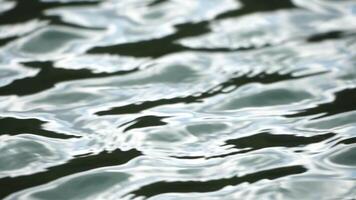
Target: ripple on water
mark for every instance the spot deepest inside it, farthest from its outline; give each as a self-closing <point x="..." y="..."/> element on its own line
<point x="143" y="173"/>
<point x="6" y="5"/>
<point x="272" y="97"/>
<point x="276" y="190"/>
<point x="24" y="155"/>
<point x="10" y="73"/>
<point x="177" y="99"/>
<point x="332" y="122"/>
<point x="270" y="28"/>
<point x="95" y="185"/>
<point x="53" y="40"/>
<point x="99" y="63"/>
<point x="20" y="29"/>
<point x="132" y="21"/>
<point x="344" y="157"/>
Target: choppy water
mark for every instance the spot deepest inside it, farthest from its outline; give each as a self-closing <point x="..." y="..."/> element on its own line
<point x="178" y="99"/>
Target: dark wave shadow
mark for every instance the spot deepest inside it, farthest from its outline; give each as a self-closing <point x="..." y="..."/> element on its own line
<point x="33" y="9"/>
<point x="252" y="6"/>
<point x="143" y="122"/>
<point x="215" y="185"/>
<point x="159" y="47"/>
<point x="76" y="165"/>
<point x="157" y="2"/>
<point x="219" y="89"/>
<point x="331" y="35"/>
<point x="267" y="140"/>
<point x="344" y="102"/>
<point x="5" y="41"/>
<point x="155" y="48"/>
<point x="347" y="141"/>
<point x="49" y="76"/>
<point x="15" y="126"/>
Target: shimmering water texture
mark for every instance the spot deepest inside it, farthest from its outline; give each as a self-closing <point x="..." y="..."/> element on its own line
<point x="178" y="99"/>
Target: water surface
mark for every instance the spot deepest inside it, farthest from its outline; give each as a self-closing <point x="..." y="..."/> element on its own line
<point x="177" y="99"/>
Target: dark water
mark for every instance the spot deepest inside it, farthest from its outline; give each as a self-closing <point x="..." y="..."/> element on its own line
<point x="178" y="99"/>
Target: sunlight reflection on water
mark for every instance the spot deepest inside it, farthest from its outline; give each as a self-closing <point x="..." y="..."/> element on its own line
<point x="177" y="99"/>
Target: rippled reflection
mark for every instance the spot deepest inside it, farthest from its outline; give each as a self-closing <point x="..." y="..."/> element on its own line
<point x="177" y="99"/>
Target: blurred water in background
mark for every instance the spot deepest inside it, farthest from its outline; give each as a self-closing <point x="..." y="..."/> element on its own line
<point x="178" y="99"/>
